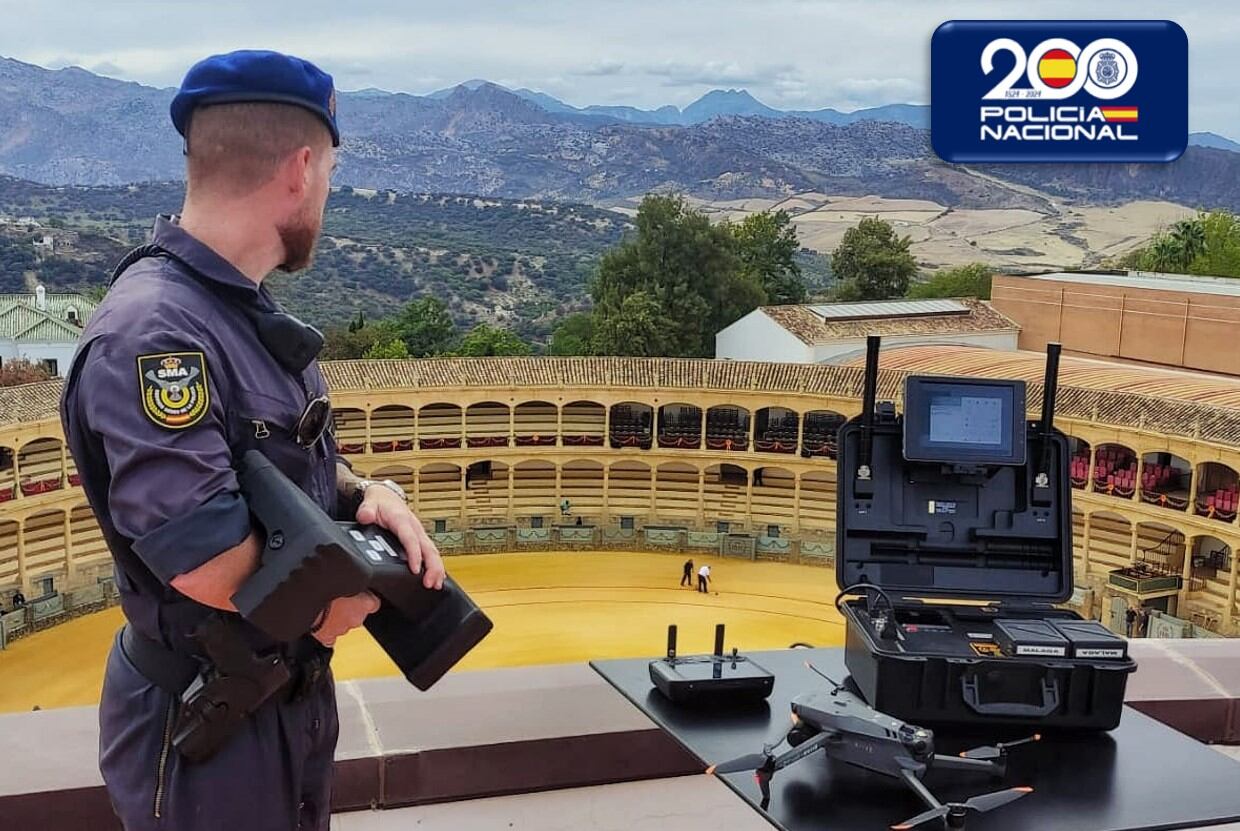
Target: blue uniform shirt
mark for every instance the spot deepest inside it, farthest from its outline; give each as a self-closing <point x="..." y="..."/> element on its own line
<point x="170" y="384"/>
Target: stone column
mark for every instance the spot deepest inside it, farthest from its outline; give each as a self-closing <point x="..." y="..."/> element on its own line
<point x="1231" y="594"/>
<point x="606" y="490"/>
<point x="22" y="578"/>
<point x="70" y="565"/>
<point x="1192" y="490"/>
<point x="1085" y="563"/>
<point x="796" y="495"/>
<point x="702" y="498"/>
<point x="512" y="494"/>
<point x="559" y="486"/>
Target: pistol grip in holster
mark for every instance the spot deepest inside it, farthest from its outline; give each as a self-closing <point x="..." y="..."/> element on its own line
<point x="237" y="682"/>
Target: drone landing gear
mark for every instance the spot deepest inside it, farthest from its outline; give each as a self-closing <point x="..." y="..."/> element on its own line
<point x="803" y="742"/>
<point x="953" y="814"/>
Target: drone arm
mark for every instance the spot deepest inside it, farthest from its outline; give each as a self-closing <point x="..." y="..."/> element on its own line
<point x="916" y="786"/>
<point x="960" y="763"/>
<point x="802" y="750"/>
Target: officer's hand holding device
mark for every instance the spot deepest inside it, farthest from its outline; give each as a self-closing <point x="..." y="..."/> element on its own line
<point x="385" y="504"/>
<point x="308" y="561"/>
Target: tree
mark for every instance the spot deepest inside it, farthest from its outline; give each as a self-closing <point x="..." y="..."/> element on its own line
<point x="875" y="260"/>
<point x="767" y="246"/>
<point x="345" y="343"/>
<point x="687" y="270"/>
<point x="21" y="371"/>
<point x="971" y="280"/>
<point x="1207" y="244"/>
<point x="392" y="348"/>
<point x="573" y="335"/>
<point x="1190" y="238"/>
<point x="638" y="328"/>
<point x="484" y="340"/>
<point x="426" y="327"/>
<point x="1220" y="247"/>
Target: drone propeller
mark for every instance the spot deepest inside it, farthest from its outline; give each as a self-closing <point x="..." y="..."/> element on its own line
<point x="753" y="761"/>
<point x="956" y="811"/>
<point x="988" y="753"/>
<point x="763" y="767"/>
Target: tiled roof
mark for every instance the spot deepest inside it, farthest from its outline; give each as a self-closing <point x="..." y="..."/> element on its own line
<point x="1185" y="408"/>
<point x="30" y="402"/>
<point x="812" y="328"/>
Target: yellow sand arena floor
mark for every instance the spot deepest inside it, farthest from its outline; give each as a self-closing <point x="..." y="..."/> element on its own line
<point x="547" y="608"/>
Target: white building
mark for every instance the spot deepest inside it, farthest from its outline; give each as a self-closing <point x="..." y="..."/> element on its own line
<point x="836" y="332"/>
<point x="42" y="328"/>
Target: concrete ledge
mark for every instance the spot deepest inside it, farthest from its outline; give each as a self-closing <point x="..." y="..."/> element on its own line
<point x="516" y="731"/>
<point x="1192" y="685"/>
<point x="694" y="803"/>
<point x="476" y="734"/>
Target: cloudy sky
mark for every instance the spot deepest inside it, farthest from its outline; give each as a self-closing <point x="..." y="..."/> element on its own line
<point x="791" y="54"/>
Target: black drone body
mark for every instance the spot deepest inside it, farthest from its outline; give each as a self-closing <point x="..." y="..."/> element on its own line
<point x="844" y="727"/>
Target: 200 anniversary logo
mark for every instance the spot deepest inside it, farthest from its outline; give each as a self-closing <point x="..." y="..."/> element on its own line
<point x="1059" y="91"/>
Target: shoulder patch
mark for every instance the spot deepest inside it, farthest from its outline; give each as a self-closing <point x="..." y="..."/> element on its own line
<point x="174" y="388"/>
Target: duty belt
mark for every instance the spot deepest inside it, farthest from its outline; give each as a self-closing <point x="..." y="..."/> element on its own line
<point x="218" y="692"/>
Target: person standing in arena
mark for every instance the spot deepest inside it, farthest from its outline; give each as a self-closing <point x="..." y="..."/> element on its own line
<point x="703" y="578"/>
<point x="686" y="579"/>
<point x="189" y="363"/>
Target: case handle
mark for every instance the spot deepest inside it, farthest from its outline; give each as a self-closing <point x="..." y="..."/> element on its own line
<point x="972" y="689"/>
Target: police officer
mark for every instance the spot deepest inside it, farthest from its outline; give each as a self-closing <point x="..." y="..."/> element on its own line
<point x="188" y="363"/>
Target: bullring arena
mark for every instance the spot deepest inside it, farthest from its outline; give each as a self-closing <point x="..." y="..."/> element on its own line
<point x="567" y="492"/>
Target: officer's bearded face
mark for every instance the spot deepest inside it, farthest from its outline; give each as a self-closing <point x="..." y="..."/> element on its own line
<point x="301" y="232"/>
<point x="299" y="235"/>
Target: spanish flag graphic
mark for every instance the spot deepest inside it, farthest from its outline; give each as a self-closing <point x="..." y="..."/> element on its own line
<point x="1119" y="113"/>
<point x="1057" y="68"/>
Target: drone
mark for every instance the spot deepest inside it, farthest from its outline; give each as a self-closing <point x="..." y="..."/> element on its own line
<point x="839" y="723"/>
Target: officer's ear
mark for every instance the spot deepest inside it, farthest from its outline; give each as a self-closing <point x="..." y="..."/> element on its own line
<point x="296" y="172"/>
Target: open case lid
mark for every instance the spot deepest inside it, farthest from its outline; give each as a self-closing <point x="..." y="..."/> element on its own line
<point x="957" y="497"/>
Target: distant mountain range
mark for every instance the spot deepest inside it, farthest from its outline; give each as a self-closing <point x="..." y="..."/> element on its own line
<point x="71" y="126"/>
<point x="718" y="102"/>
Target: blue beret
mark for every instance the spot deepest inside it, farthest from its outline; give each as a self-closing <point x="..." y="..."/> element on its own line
<point x="256" y="75"/>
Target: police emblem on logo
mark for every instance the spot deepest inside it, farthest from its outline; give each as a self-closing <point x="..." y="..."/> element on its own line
<point x="1108" y="68"/>
<point x="174" y="388"/>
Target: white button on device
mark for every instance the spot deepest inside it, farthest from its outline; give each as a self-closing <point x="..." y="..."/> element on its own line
<point x="388" y="548"/>
<point x="357" y="535"/>
<point x="374" y="556"/>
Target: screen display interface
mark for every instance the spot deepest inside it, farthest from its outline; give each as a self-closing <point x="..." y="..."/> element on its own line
<point x="967" y="419"/>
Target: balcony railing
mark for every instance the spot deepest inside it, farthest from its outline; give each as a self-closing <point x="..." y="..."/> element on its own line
<point x="1144" y="579"/>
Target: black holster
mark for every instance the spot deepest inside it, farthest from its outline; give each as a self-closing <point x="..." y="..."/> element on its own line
<point x="219" y="690"/>
<point x="235" y="683"/>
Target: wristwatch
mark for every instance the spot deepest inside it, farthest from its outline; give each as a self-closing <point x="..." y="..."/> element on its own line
<point x="362" y="484"/>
